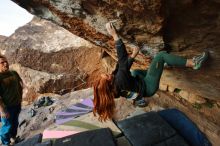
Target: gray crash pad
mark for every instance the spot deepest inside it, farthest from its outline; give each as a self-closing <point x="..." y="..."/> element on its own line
<point x="149" y="129"/>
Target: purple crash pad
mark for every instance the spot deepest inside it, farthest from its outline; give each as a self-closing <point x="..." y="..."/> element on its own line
<point x="74" y="111"/>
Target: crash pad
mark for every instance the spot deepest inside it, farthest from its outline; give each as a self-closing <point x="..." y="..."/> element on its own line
<point x="74" y="111"/>
<point x="98" y="137"/>
<point x="148" y="129"/>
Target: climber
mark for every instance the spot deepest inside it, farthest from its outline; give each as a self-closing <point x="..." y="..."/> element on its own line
<point x="135" y="84"/>
<point x="10" y="101"/>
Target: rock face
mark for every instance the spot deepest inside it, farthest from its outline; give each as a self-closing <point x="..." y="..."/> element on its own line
<point x="41" y="82"/>
<point x="50" y="59"/>
<point x="87" y="18"/>
<point x="2" y="38"/>
<point x="188" y="26"/>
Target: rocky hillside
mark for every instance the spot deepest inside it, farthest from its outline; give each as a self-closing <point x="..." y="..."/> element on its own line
<point x="50" y="59"/>
<point x="2" y="38"/>
<point x="187" y="26"/>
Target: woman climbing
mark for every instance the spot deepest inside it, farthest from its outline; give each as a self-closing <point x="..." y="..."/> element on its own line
<point x="135" y="84"/>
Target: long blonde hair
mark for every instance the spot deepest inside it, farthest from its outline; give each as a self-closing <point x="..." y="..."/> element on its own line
<point x="104" y="94"/>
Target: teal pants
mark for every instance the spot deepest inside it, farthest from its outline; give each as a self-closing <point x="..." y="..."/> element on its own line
<point x="10" y="125"/>
<point x="153" y="74"/>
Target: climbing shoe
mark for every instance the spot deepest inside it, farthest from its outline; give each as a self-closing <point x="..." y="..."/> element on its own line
<point x="32" y="112"/>
<point x="15" y="140"/>
<point x="39" y="103"/>
<point x="199" y="60"/>
<point x="140" y="102"/>
<point x="12" y="141"/>
<point x="132" y="95"/>
<point x="44" y="101"/>
<point x="48" y="101"/>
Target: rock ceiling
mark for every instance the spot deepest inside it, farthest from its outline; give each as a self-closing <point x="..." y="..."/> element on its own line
<point x="188" y="26"/>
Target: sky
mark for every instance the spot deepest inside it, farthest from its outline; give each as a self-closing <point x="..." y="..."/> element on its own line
<point x="12" y="16"/>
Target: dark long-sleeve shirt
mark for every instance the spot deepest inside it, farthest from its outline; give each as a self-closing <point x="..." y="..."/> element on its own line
<point x="123" y="79"/>
<point x="10" y="88"/>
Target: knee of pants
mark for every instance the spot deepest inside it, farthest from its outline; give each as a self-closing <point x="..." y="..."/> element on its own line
<point x="160" y="54"/>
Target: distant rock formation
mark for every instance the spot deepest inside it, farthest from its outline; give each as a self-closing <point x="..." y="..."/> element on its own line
<point x="2" y="38"/>
<point x="50" y="59"/>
